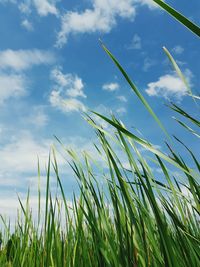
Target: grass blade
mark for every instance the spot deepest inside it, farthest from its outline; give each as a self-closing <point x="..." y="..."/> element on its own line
<point x="179" y="17"/>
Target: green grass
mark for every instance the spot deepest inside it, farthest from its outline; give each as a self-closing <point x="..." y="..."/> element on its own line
<point x="124" y="215"/>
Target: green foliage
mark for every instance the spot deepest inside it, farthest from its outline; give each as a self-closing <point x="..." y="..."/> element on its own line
<point x="135" y="219"/>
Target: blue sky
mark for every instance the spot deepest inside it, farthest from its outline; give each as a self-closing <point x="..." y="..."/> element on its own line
<point x="52" y="68"/>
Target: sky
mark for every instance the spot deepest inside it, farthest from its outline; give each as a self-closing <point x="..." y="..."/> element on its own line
<point x="53" y="68"/>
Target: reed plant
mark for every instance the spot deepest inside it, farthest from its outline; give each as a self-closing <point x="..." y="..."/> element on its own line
<point x="123" y="215"/>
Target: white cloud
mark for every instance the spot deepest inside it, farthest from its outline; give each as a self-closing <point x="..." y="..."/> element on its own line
<point x="169" y="86"/>
<point x="110" y="87"/>
<point x="20" y="155"/>
<point x="100" y="18"/>
<point x="178" y="50"/>
<point x="12" y="86"/>
<point x="71" y="84"/>
<point x="149" y="3"/>
<point x="121" y="110"/>
<point x="67" y="87"/>
<point x="24" y="59"/>
<point x="27" y="25"/>
<point x="25" y="7"/>
<point x="135" y="42"/>
<point x="66" y="105"/>
<point x="38" y="117"/>
<point x="122" y="98"/>
<point x="45" y="7"/>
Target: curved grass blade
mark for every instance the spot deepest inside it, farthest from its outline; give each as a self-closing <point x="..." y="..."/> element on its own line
<point x="140" y="141"/>
<point x="179" y="17"/>
<point x="136" y="91"/>
<point x="180" y="74"/>
<point x="187" y="127"/>
<point x="196" y="97"/>
<point x="190" y="151"/>
<point x="177" y="69"/>
<point x="185" y="114"/>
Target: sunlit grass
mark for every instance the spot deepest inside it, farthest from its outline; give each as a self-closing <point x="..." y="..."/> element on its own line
<point x="124" y="215"/>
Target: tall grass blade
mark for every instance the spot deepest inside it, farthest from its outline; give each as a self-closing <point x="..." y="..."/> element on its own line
<point x="136" y="91"/>
<point x="179" y="17"/>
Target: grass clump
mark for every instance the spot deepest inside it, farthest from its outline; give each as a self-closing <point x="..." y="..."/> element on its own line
<point x="137" y="217"/>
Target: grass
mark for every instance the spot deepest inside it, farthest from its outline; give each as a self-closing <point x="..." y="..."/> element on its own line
<point x="138" y="217"/>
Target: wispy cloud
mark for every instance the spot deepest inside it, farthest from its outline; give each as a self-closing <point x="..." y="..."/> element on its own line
<point x="110" y="87"/>
<point x="121" y="110"/>
<point x="8" y="1"/>
<point x="135" y="42"/>
<point x="66" y="105"/>
<point x="122" y="98"/>
<point x="12" y="86"/>
<point x="21" y="153"/>
<point x="25" y="7"/>
<point x="169" y="86"/>
<point x="45" y="7"/>
<point x="67" y="88"/>
<point x="38" y="117"/>
<point x="178" y="50"/>
<point x="19" y="60"/>
<point x="148" y="63"/>
<point x="148" y="3"/>
<point x="27" y="25"/>
<point x="42" y="7"/>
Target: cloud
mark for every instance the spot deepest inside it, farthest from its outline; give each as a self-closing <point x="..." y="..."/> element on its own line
<point x="13" y="82"/>
<point x="19" y="60"/>
<point x="100" y="18"/>
<point x="67" y="88"/>
<point x="20" y="154"/>
<point x="43" y="7"/>
<point x="122" y="98"/>
<point x="178" y="50"/>
<point x="38" y="117"/>
<point x="148" y="63"/>
<point x="110" y="87"/>
<point x="149" y="3"/>
<point x="66" y="105"/>
<point x="169" y="86"/>
<point x="121" y="110"/>
<point x="27" y="25"/>
<point x="8" y="1"/>
<point x="12" y="86"/>
<point x="71" y="84"/>
<point x="19" y="157"/>
<point x="135" y="42"/>
<point x="25" y="7"/>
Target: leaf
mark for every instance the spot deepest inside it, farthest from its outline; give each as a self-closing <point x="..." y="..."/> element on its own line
<point x="136" y="91"/>
<point x="179" y="17"/>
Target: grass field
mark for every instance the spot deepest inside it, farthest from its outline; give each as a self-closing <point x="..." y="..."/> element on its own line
<point x="136" y="218"/>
